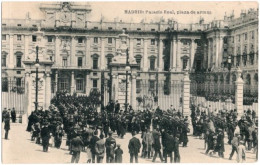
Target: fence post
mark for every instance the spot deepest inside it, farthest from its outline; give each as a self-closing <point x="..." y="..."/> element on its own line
<point x="239" y="92"/>
<point x="186" y="94"/>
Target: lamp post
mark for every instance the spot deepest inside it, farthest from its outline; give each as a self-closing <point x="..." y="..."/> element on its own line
<point x="36" y="79"/>
<point x="127" y="68"/>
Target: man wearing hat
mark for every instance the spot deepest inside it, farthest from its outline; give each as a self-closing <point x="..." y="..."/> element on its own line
<point x="76" y="147"/>
<point x="45" y="135"/>
<point x="134" y="148"/>
<point x="110" y="148"/>
<point x="234" y="143"/>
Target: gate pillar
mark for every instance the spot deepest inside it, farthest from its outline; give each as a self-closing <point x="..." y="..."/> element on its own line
<point x="186" y="94"/>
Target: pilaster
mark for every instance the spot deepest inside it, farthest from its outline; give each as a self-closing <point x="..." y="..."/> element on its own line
<point x="11" y="55"/>
<point x="72" y="87"/>
<point x="133" y="96"/>
<point x="145" y="55"/>
<point x="160" y="59"/>
<point x="239" y="93"/>
<point x="186" y="94"/>
<point x="47" y="90"/>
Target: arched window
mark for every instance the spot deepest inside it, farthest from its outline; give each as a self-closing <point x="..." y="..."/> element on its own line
<point x="138" y="59"/>
<point x="234" y="78"/>
<point x="80" y="56"/>
<point x="256" y="78"/>
<point x="184" y="62"/>
<point x="50" y="54"/>
<point x="95" y="61"/>
<point x="152" y="62"/>
<point x="64" y="82"/>
<point x="228" y="78"/>
<point x="4" y="84"/>
<point x="80" y="85"/>
<point x="4" y="56"/>
<point x="109" y="59"/>
<point x="19" y="59"/>
<point x="248" y="79"/>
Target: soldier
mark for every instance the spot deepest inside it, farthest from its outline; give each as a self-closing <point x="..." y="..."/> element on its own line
<point x="157" y="144"/>
<point x="76" y="147"/>
<point x="13" y="115"/>
<point x="100" y="149"/>
<point x="110" y="148"/>
<point x="177" y="157"/>
<point x="234" y="143"/>
<point x="58" y="135"/>
<point x="45" y="135"/>
<point x="134" y="148"/>
<point x="93" y="141"/>
<point x="7" y="124"/>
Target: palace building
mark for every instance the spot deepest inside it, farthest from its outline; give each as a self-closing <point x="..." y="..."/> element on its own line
<point x="81" y="51"/>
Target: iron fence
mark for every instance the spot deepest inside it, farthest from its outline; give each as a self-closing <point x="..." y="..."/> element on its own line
<point x="13" y="94"/>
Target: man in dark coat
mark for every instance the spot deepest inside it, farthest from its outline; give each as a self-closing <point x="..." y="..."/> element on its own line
<point x="7" y="124"/>
<point x="117" y="107"/>
<point x="134" y="148"/>
<point x="110" y="148"/>
<point x="76" y="147"/>
<point x="13" y="115"/>
<point x="177" y="157"/>
<point x="45" y="134"/>
<point x="92" y="145"/>
<point x="168" y="147"/>
<point x="156" y="144"/>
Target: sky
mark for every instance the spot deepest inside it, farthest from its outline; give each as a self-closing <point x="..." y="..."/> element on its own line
<point x="111" y="10"/>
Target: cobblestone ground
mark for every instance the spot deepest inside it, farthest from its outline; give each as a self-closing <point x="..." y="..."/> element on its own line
<point x="20" y="149"/>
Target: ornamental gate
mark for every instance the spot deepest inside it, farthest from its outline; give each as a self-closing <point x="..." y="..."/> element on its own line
<point x="13" y="94"/>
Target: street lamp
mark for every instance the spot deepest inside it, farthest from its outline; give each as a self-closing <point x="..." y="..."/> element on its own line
<point x="127" y="68"/>
<point x="37" y="65"/>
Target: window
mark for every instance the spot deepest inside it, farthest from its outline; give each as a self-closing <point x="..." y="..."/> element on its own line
<point x="232" y="39"/>
<point x="80" y="40"/>
<point x="4" y="84"/>
<point x="34" y="38"/>
<point x="49" y="39"/>
<point x="138" y="86"/>
<point x="238" y="38"/>
<point x="3" y="37"/>
<point x="64" y="61"/>
<point x="138" y="42"/>
<point x="225" y="40"/>
<point x="109" y="60"/>
<point x="19" y="61"/>
<point x="252" y="35"/>
<point x="95" y="28"/>
<point x="152" y="30"/>
<point x="95" y="40"/>
<point x="19" y="82"/>
<point x="3" y="24"/>
<point x="94" y="83"/>
<point x="79" y="61"/>
<point x="3" y="61"/>
<point x="19" y="37"/>
<point x="110" y="28"/>
<point x="19" y="25"/>
<point x="80" y="83"/>
<point x="184" y="63"/>
<point x="138" y="61"/>
<point x="109" y="40"/>
<point x="245" y="36"/>
<point x="34" y="26"/>
<point x="138" y="29"/>
<point x="152" y="41"/>
<point x="152" y="63"/>
<point x="151" y="85"/>
<point x="95" y="63"/>
<point x="64" y="83"/>
<point x="124" y="29"/>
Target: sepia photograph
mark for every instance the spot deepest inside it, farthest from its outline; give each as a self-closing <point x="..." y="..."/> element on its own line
<point x="129" y="82"/>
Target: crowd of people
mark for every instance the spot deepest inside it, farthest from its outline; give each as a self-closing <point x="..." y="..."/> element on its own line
<point x="84" y="127"/>
<point x="161" y="131"/>
<point x="212" y="125"/>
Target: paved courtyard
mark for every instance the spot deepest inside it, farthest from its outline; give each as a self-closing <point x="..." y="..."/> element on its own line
<point x="19" y="149"/>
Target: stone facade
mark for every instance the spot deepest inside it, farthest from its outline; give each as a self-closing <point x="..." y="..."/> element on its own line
<point x="81" y="50"/>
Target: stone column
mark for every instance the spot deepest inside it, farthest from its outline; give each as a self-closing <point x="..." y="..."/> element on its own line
<point x="115" y="87"/>
<point x="47" y="90"/>
<point x="56" y="81"/>
<point x="28" y="98"/>
<point x="88" y="84"/>
<point x="72" y="51"/>
<point x="26" y="46"/>
<point x="209" y="53"/>
<point x="57" y="51"/>
<point x="239" y="93"/>
<point x="174" y="46"/>
<point x="193" y="47"/>
<point x="145" y="61"/>
<point x="186" y="94"/>
<point x="72" y="87"/>
<point x="133" y="92"/>
<point x="220" y="51"/>
<point x="160" y="58"/>
<point x="102" y="55"/>
<point x="11" y="54"/>
<point x="88" y="55"/>
<point x="178" y="58"/>
<point x="131" y="51"/>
